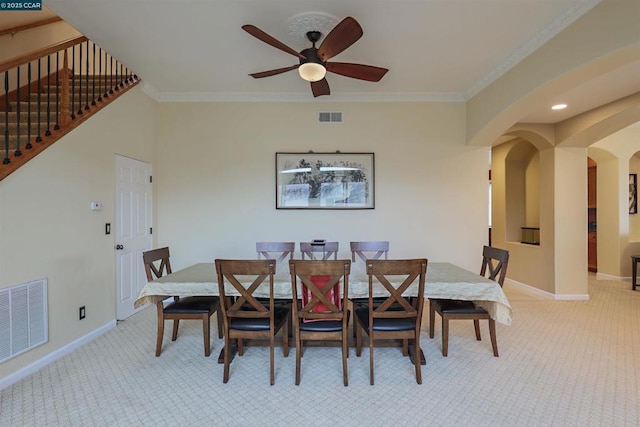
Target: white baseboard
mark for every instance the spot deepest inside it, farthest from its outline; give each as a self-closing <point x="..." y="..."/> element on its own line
<point x="528" y="289"/>
<point x="604" y="276"/>
<point x="53" y="356"/>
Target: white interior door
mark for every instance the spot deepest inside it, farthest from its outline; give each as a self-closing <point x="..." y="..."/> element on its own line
<point x="132" y="230"/>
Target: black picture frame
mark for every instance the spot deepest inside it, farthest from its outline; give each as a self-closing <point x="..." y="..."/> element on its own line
<point x="339" y="181"/>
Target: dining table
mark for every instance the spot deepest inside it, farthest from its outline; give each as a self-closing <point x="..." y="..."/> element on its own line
<point x="444" y="280"/>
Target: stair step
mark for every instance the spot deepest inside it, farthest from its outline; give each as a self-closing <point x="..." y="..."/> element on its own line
<point x="23" y="128"/>
<point x="13" y="143"/>
<point x="75" y="89"/>
<point x="24" y="106"/>
<point x="24" y="115"/>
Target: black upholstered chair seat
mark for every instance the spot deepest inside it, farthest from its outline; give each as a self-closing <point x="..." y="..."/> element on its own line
<point x="456" y="306"/>
<point x="323" y="325"/>
<point x="365" y="301"/>
<point x="384" y="324"/>
<point x="192" y="305"/>
<point x="280" y="315"/>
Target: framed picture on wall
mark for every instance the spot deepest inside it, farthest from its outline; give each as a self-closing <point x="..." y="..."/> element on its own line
<point x="325" y="180"/>
<point x="633" y="193"/>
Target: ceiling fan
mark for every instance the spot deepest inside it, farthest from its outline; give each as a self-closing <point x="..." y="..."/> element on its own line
<point x="314" y="61"/>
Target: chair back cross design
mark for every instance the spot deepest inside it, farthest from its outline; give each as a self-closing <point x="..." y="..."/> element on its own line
<point x="275" y="250"/>
<point x="494" y="260"/>
<point x="369" y="250"/>
<point x="328" y="250"/>
<point x="152" y="268"/>
<point x="401" y="305"/>
<point x="229" y="270"/>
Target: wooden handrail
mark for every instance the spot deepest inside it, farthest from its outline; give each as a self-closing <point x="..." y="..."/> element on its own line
<point x="18" y="28"/>
<point x="32" y="56"/>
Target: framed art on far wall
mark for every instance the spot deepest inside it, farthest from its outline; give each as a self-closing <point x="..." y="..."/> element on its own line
<point x="325" y="180"/>
<point x="633" y="193"/>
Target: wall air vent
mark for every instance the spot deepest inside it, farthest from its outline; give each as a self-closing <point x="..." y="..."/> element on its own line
<point x="330" y="117"/>
<point x="23" y="318"/>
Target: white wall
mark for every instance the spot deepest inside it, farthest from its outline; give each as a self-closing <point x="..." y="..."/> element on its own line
<point x="47" y="229"/>
<point x="216" y="179"/>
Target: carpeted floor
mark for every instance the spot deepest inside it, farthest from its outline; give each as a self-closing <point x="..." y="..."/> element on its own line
<point x="562" y="363"/>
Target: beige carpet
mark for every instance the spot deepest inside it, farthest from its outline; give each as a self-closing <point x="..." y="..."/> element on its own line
<point x="571" y="363"/>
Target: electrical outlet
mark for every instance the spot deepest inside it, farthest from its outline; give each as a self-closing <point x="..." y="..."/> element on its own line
<point x="82" y="313"/>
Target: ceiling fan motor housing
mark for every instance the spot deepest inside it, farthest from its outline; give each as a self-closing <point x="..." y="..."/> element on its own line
<point x="312" y="56"/>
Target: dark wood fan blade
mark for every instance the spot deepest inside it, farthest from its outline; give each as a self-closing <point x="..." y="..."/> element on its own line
<point x="357" y="71"/>
<point x="343" y="35"/>
<point x="273" y="72"/>
<point x="319" y="88"/>
<point x="261" y="35"/>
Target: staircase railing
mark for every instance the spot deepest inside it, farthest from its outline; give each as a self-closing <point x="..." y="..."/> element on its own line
<point x="49" y="92"/>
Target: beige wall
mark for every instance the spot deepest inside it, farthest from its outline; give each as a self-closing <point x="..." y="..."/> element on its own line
<point x="620" y="160"/>
<point x="528" y="264"/>
<point x="532" y="191"/>
<point x="634" y="220"/>
<point x="34" y="38"/>
<point x="48" y="231"/>
<point x="216" y="179"/>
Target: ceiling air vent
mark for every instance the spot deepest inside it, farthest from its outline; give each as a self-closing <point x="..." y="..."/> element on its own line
<point x="330" y="117"/>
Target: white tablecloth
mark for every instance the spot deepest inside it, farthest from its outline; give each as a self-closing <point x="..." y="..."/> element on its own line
<point x="444" y="280"/>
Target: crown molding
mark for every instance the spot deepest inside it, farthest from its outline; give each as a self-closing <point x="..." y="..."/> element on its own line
<point x="299" y="97"/>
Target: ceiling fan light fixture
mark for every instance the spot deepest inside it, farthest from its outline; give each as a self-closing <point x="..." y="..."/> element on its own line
<point x="312" y="72"/>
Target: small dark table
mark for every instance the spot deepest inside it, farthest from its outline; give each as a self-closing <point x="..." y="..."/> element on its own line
<point x="635" y="259"/>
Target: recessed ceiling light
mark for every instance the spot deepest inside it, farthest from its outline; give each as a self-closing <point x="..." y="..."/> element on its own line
<point x="559" y="107"/>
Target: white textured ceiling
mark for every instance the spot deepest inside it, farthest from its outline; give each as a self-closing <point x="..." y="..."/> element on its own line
<point x="446" y="50"/>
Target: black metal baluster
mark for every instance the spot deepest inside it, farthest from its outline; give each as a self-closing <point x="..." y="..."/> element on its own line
<point x="73" y="82"/>
<point x="86" y="88"/>
<point x="100" y="68"/>
<point x="117" y="82"/>
<point x="28" y="145"/>
<point x="93" y="76"/>
<point x="39" y="137"/>
<point x="57" y="125"/>
<point x="80" y="112"/>
<point x="106" y="76"/>
<point x="18" y="152"/>
<point x="6" y="159"/>
<point x="48" y="131"/>
<point x="111" y="72"/>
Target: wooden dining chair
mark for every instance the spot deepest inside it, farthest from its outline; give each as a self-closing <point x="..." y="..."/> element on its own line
<point x="398" y="316"/>
<point x="312" y="251"/>
<point x="320" y="312"/>
<point x="362" y="251"/>
<point x="494" y="266"/>
<point x="156" y="265"/>
<point x="247" y="317"/>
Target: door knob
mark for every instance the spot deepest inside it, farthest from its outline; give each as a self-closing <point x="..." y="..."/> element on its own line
<point x="119" y="247"/>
